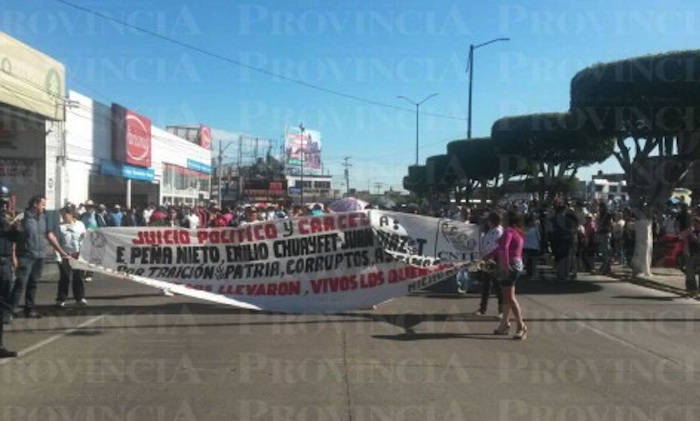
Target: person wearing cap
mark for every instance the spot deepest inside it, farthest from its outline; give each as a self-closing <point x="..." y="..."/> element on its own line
<point x="33" y="228"/>
<point x="8" y="261"/>
<point x="72" y="232"/>
<point x="94" y="216"/>
<point x="115" y="216"/>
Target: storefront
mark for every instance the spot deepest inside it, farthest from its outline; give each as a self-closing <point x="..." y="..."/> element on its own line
<point x="116" y="156"/>
<point x="317" y="188"/>
<point x="32" y="91"/>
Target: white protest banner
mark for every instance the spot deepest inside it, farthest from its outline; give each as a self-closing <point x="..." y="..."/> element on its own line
<point x="329" y="263"/>
<point x="421" y="236"/>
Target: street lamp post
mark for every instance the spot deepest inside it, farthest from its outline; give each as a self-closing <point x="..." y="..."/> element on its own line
<point x="221" y="172"/>
<point x="301" y="152"/>
<point x="473" y="47"/>
<point x="417" y="104"/>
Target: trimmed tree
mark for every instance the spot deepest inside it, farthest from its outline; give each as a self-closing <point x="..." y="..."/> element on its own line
<point x="651" y="106"/>
<point x="443" y="172"/>
<point x="553" y="146"/>
<point x="478" y="164"/>
<point x="416" y="182"/>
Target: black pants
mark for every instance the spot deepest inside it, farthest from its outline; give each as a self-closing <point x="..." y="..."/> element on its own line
<point x="68" y="276"/>
<point x="5" y="288"/>
<point x="489" y="282"/>
<point x="532" y="258"/>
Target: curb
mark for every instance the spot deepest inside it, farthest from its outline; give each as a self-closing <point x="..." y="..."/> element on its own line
<point x="648" y="283"/>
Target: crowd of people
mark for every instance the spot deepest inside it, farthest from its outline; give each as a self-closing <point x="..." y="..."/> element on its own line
<point x="192" y="217"/>
<point x="570" y="235"/>
<point x="515" y="238"/>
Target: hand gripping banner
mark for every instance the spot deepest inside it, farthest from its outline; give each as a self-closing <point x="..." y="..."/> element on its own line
<point x="330" y="263"/>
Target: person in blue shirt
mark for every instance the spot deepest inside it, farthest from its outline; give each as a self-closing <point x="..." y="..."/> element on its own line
<point x="115" y="216"/>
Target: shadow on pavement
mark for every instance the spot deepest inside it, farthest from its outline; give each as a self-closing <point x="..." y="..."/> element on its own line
<point x="527" y="288"/>
<point x="411" y="336"/>
<point x="648" y="298"/>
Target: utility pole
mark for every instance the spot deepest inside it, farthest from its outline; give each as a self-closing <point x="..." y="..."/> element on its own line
<point x="302" y="129"/>
<point x="470" y="69"/>
<point x="347" y="174"/>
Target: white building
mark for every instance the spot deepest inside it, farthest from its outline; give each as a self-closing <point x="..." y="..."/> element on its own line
<point x="601" y="188"/>
<point x="114" y="156"/>
<point x="317" y="188"/>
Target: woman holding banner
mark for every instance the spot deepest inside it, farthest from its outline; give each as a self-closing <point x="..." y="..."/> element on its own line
<point x="489" y="246"/>
<point x="72" y="233"/>
<point x="510" y="266"/>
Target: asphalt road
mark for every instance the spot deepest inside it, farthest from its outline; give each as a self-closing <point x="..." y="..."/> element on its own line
<point x="598" y="349"/>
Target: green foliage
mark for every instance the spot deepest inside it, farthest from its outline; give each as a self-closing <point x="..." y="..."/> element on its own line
<point x="553" y="139"/>
<point x="443" y="171"/>
<point x="641" y="97"/>
<point x="476" y="158"/>
<point x="417" y="180"/>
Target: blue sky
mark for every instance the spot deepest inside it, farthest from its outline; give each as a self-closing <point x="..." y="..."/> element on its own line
<point x="353" y="58"/>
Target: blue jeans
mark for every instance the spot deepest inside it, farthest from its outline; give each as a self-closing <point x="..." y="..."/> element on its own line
<point x="28" y="272"/>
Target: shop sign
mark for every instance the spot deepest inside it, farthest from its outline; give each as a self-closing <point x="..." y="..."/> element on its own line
<point x="198" y="166"/>
<point x="131" y="137"/>
<point x="116" y="169"/>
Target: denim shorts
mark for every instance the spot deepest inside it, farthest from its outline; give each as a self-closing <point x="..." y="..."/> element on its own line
<point x="513" y="277"/>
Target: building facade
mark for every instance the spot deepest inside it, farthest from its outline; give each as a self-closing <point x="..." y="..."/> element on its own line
<point x="32" y="114"/>
<point x="115" y="156"/>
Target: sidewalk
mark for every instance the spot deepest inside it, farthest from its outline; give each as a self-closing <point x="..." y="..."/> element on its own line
<point x="665" y="279"/>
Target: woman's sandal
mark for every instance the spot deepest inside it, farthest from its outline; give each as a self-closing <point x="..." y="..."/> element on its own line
<point x="502" y="330"/>
<point x="521" y="333"/>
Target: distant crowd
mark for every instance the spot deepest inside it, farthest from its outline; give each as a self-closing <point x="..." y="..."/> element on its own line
<point x="192" y="217"/>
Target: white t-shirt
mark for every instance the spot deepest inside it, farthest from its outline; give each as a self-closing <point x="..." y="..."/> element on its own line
<point x="71" y="237"/>
<point x="193" y="220"/>
<point x="489" y="242"/>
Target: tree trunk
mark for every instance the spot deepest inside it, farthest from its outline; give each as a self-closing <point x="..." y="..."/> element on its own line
<point x="641" y="261"/>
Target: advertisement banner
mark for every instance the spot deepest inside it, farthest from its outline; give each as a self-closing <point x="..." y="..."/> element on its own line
<point x="205" y="136"/>
<point x="131" y="137"/>
<point x="329" y="263"/>
<point x="303" y="146"/>
<point x="31" y="80"/>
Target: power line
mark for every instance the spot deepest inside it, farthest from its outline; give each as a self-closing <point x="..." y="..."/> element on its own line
<point x="248" y="66"/>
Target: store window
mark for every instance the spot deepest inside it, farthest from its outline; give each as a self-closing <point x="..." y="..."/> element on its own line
<point x="180" y="181"/>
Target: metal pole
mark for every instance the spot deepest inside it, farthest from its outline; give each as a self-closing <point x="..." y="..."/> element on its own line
<point x="220" y="170"/>
<point x="301" y="127"/>
<point x="417" y="105"/>
<point x="473" y="47"/>
<point x="471" y="81"/>
<point x="417" y="130"/>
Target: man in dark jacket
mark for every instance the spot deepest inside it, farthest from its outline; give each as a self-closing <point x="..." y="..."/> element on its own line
<point x="31" y="251"/>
